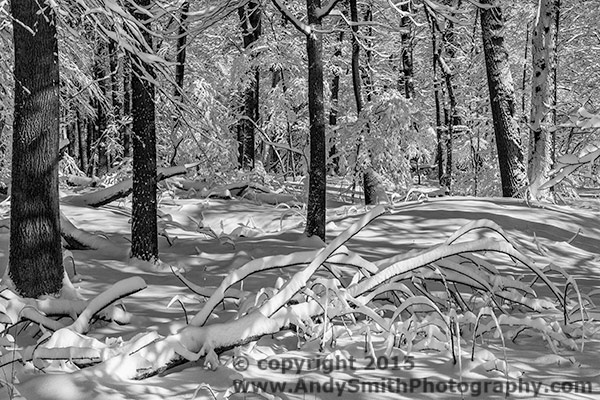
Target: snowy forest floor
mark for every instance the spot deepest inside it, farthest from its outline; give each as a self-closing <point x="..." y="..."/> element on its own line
<point x="277" y="230"/>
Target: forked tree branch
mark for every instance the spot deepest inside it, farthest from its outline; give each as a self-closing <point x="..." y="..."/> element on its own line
<point x="302" y="27"/>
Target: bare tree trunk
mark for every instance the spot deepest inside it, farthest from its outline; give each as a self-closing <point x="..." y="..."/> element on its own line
<point x="181" y="49"/>
<point x="82" y="141"/>
<point x="333" y="113"/>
<point x="144" y="240"/>
<point x="438" y="94"/>
<point x="250" y="20"/>
<point x="126" y="138"/>
<point x="116" y="72"/>
<point x="502" y="96"/>
<point x="315" y="219"/>
<point x="35" y="260"/>
<point x="543" y="97"/>
<point x="370" y="180"/>
<point x="406" y="26"/>
<point x="101" y="74"/>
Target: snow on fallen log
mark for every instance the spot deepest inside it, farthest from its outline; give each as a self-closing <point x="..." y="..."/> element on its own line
<point x="122" y="189"/>
<point x="78" y="239"/>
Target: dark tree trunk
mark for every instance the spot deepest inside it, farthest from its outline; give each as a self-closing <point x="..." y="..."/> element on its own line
<point x="438" y="95"/>
<point x="250" y="20"/>
<point x="126" y="138"/>
<point x="333" y="113"/>
<point x="406" y="83"/>
<point x="450" y="122"/>
<point x="370" y="181"/>
<point x="502" y="95"/>
<point x="315" y="219"/>
<point x="144" y="240"/>
<point x="82" y="141"/>
<point x="181" y="49"/>
<point x="35" y="244"/>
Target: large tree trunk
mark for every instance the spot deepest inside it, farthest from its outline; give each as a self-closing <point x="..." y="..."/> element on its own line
<point x="250" y="20"/>
<point x="543" y="97"/>
<point x="144" y="240"/>
<point x="35" y="260"/>
<point x="315" y="219"/>
<point x="502" y="96"/>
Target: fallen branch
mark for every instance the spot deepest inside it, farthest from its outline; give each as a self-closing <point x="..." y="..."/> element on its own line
<point x="122" y="189"/>
<point x="78" y="239"/>
<point x="116" y="292"/>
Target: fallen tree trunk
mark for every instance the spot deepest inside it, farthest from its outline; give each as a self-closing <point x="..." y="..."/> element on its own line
<point x="122" y="189"/>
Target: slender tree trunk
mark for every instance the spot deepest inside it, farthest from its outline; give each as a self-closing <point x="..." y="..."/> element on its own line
<point x="82" y="141"/>
<point x="101" y="123"/>
<point x="370" y="181"/>
<point x="502" y="95"/>
<point x="35" y="259"/>
<point x="250" y="20"/>
<point x="333" y="113"/>
<point x="181" y="52"/>
<point x="126" y="138"/>
<point x="73" y="138"/>
<point x="438" y="95"/>
<point x="144" y="240"/>
<point x="406" y="82"/>
<point x="524" y="81"/>
<point x="315" y="219"/>
<point x="449" y="45"/>
<point x="543" y="97"/>
<point x="116" y="80"/>
<point x="181" y="49"/>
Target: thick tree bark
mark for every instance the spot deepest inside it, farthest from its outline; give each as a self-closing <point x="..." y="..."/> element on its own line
<point x="502" y="96"/>
<point x="315" y="219"/>
<point x="543" y="97"/>
<point x="144" y="240"/>
<point x="35" y="260"/>
<point x="250" y="20"/>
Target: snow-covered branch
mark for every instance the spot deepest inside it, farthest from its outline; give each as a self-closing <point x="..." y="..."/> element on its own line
<point x="302" y="27"/>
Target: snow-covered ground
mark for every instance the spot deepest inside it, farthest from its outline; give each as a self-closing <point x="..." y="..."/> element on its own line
<point x="567" y="237"/>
